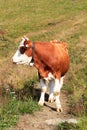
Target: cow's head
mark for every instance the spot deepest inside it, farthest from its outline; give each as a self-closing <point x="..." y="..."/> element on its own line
<point x="21" y="56"/>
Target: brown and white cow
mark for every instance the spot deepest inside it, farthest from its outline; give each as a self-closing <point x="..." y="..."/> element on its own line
<point x="52" y="62"/>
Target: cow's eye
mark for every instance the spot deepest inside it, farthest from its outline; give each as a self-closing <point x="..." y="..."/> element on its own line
<point x="22" y="49"/>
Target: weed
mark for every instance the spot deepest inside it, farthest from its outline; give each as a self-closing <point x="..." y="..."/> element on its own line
<point x="28" y="106"/>
<point x="12" y="106"/>
<point x="83" y="122"/>
<point x="9" y="112"/>
<point x="27" y="90"/>
<point x="67" y="126"/>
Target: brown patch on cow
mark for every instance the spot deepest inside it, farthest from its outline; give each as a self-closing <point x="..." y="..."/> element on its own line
<point x="22" y="49"/>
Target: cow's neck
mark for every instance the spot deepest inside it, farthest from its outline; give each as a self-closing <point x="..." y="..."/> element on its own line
<point x="33" y="48"/>
<point x="37" y="60"/>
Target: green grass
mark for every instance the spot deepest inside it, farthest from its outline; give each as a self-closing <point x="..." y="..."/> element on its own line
<point x="15" y="103"/>
<point x="43" y="20"/>
<point x="9" y="112"/>
<point x="67" y="126"/>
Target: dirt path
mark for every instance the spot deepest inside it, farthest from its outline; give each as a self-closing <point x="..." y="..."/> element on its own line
<point x="47" y="118"/>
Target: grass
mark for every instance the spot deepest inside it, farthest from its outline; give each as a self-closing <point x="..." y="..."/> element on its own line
<point x="9" y="112"/>
<point x="43" y="20"/>
<point x="67" y="126"/>
<point x="70" y="126"/>
<point x="13" y="104"/>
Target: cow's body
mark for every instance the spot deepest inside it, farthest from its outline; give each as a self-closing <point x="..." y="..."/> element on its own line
<point x="52" y="62"/>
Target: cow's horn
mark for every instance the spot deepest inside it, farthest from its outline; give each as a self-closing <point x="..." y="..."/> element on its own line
<point x="26" y="38"/>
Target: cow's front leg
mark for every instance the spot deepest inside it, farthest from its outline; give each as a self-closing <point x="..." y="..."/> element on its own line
<point x="57" y="87"/>
<point x="43" y="91"/>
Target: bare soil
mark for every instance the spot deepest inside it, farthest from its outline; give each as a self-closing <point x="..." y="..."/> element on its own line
<point x="47" y="118"/>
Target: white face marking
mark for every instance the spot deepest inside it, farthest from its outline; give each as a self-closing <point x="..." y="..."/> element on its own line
<point x="19" y="58"/>
<point x="22" y="42"/>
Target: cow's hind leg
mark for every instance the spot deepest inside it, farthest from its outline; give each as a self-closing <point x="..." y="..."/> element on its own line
<point x="51" y="88"/>
<point x="57" y="88"/>
<point x="43" y="90"/>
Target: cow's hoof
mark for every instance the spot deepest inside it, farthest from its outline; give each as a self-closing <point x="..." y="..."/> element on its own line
<point x="59" y="109"/>
<point x="51" y="100"/>
<point x="40" y="103"/>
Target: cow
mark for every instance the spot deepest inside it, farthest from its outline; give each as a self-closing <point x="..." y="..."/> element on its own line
<point x="52" y="62"/>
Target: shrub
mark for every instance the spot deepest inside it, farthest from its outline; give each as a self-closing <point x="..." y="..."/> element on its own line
<point x="67" y="126"/>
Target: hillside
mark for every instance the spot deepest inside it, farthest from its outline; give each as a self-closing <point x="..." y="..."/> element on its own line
<point x="43" y="20"/>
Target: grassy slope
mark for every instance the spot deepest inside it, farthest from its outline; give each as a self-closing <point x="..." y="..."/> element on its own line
<point x="44" y="20"/>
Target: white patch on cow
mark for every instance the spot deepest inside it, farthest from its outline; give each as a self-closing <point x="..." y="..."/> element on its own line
<point x="27" y="46"/>
<point x="17" y="54"/>
<point x="31" y="64"/>
<point x="22" y="42"/>
<point x="44" y="87"/>
<point x="51" y="85"/>
<point x="61" y="82"/>
<point x="49" y="77"/>
<point x="57" y="87"/>
<point x="19" y="58"/>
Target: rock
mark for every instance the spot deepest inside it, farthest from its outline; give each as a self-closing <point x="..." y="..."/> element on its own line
<point x="59" y="120"/>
